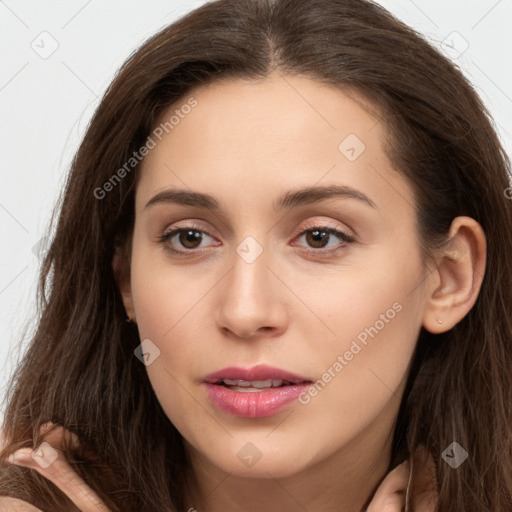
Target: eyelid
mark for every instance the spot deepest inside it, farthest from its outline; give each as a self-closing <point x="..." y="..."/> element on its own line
<point x="342" y="234"/>
<point x="171" y="232"/>
<point x="327" y="225"/>
<point x="345" y="240"/>
<point x="183" y="225"/>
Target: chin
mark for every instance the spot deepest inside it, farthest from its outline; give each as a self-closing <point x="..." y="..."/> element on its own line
<point x="247" y="461"/>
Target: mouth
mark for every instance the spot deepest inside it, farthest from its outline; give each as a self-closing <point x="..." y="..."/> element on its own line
<point x="255" y="392"/>
<point x="255" y="386"/>
<point x="260" y="376"/>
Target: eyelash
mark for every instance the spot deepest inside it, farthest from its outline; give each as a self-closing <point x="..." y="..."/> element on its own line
<point x="347" y="239"/>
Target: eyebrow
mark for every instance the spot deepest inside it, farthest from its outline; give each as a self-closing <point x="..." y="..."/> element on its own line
<point x="288" y="200"/>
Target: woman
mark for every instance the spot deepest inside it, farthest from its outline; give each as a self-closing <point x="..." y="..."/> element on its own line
<point x="279" y="280"/>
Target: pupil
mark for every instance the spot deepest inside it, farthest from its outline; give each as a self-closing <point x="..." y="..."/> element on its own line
<point x="316" y="235"/>
<point x="190" y="237"/>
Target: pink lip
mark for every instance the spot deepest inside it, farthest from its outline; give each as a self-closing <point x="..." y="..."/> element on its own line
<point x="259" y="372"/>
<point x="257" y="404"/>
<point x="254" y="405"/>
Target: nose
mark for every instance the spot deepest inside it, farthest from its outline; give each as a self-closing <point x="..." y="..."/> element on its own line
<point x="252" y="300"/>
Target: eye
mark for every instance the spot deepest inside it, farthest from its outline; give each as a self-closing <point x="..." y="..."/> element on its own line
<point x="189" y="238"/>
<point x="319" y="237"/>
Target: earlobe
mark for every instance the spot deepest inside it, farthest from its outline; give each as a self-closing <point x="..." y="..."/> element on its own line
<point x="121" y="268"/>
<point x="455" y="283"/>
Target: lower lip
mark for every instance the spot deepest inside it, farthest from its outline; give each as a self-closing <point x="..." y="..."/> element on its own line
<point x="258" y="404"/>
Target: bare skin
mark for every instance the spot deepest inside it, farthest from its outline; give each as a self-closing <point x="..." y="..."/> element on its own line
<point x="388" y="498"/>
<point x="49" y="461"/>
<point x="295" y="306"/>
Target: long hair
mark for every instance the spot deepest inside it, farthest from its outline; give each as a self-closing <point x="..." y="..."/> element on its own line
<point x="79" y="369"/>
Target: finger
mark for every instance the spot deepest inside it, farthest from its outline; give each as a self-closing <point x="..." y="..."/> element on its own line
<point x="49" y="460"/>
<point x="390" y="496"/>
<point x="55" y="435"/>
<point x="50" y="463"/>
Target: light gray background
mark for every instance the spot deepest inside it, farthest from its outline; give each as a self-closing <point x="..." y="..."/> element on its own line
<point x="46" y="102"/>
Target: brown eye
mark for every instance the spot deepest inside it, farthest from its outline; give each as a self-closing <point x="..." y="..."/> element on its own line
<point x="183" y="239"/>
<point x="319" y="237"/>
<point x="190" y="238"/>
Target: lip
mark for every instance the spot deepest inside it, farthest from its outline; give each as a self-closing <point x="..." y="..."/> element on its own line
<point x="257" y="404"/>
<point x="259" y="372"/>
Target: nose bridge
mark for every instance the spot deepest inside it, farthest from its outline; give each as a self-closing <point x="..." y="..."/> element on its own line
<point x="250" y="274"/>
<point x="250" y="296"/>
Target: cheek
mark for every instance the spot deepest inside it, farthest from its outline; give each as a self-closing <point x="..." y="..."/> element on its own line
<point x="376" y="319"/>
<point x="167" y="319"/>
<point x="363" y="381"/>
<point x="164" y="293"/>
<point x="373" y="297"/>
<point x="167" y="301"/>
<point x="362" y="312"/>
<point x="166" y="307"/>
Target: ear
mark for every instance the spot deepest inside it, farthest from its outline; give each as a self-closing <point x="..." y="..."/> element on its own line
<point x="454" y="285"/>
<point x="121" y="267"/>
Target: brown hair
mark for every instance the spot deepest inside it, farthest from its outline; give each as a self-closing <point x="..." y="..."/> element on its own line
<point x="80" y="371"/>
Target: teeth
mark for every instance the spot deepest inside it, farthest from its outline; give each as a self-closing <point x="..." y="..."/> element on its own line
<point x="262" y="383"/>
<point x="244" y="383"/>
<point x="259" y="384"/>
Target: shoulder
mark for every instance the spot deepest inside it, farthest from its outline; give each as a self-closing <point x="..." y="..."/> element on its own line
<point x="16" y="505"/>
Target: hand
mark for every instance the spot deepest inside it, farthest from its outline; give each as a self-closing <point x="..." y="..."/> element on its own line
<point x="390" y="496"/>
<point x="50" y="462"/>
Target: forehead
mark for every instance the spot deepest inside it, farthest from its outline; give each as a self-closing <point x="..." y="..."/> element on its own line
<point x="256" y="136"/>
<point x="290" y="107"/>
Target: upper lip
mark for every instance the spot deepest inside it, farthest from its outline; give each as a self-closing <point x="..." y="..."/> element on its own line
<point x="256" y="373"/>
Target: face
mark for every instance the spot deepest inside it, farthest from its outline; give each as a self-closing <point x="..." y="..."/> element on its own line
<point x="328" y="287"/>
